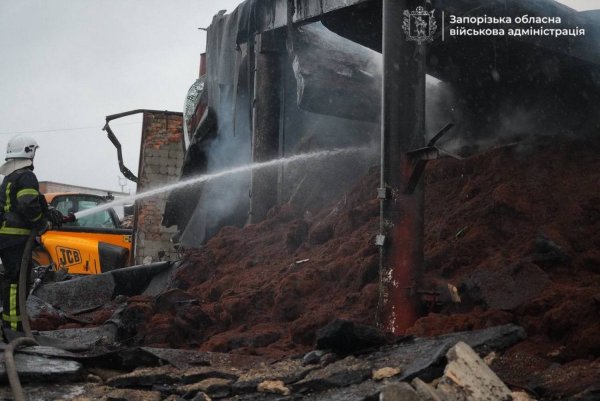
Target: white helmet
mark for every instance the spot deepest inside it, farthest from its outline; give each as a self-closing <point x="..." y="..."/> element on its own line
<point x="21" y="147"/>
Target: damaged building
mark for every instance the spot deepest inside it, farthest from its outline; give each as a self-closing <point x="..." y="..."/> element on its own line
<point x="435" y="202"/>
<point x="280" y="79"/>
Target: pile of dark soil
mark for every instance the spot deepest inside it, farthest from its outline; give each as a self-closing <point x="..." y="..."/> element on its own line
<point x="267" y="288"/>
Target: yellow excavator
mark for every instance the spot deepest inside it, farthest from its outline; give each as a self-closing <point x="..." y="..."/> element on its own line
<point x="92" y="244"/>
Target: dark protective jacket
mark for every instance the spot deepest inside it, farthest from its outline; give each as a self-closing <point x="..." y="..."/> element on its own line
<point x="22" y="207"/>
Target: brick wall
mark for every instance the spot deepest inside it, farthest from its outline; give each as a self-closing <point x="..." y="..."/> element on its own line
<point x="161" y="159"/>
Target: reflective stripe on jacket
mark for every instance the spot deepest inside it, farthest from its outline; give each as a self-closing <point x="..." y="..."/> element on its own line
<point x="21" y="204"/>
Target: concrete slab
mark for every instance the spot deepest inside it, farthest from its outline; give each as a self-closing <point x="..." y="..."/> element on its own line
<point x="368" y="390"/>
<point x="425" y="391"/>
<point x="424" y="357"/>
<point x="47" y="392"/>
<point x="146" y="377"/>
<point x="399" y="392"/>
<point x="184" y="359"/>
<point x="134" y="280"/>
<point x="159" y="282"/>
<point x="37" y="307"/>
<point x="90" y="292"/>
<point x="44" y="351"/>
<point x="34" y="368"/>
<point x="83" y="338"/>
<point x="342" y="373"/>
<point x="78" y="294"/>
<point x="467" y="377"/>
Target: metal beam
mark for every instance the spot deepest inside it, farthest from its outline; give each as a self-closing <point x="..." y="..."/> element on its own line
<point x="402" y="125"/>
<point x="265" y="126"/>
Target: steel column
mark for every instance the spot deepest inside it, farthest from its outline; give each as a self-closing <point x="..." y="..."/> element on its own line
<point x="403" y="126"/>
<point x="265" y="126"/>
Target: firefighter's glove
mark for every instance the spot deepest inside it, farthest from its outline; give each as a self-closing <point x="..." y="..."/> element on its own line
<point x="41" y="230"/>
<point x="55" y="217"/>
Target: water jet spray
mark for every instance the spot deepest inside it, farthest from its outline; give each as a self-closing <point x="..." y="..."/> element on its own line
<point x="213" y="176"/>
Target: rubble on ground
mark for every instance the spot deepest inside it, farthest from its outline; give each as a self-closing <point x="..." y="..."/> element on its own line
<point x="356" y="377"/>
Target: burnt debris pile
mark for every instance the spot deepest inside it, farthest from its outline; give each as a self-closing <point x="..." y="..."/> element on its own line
<point x="514" y="233"/>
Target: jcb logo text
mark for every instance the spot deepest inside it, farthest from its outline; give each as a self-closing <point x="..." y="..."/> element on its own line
<point x="67" y="256"/>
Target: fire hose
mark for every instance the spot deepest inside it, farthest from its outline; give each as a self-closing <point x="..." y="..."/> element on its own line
<point x="27" y="340"/>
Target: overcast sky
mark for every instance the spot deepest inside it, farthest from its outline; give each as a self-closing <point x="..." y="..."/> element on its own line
<point x="66" y="64"/>
<point x="69" y="63"/>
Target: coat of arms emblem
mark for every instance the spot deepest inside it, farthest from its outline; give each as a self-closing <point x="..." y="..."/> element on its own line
<point x="419" y="25"/>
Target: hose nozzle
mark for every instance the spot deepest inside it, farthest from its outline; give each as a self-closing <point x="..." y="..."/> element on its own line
<point x="69" y="218"/>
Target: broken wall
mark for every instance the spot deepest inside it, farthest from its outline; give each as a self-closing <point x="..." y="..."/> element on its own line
<point x="161" y="159"/>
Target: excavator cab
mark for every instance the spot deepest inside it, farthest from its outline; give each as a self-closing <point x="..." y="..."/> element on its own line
<point x="93" y="244"/>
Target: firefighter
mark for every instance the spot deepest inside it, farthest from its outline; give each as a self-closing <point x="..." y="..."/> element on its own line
<point x="22" y="209"/>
